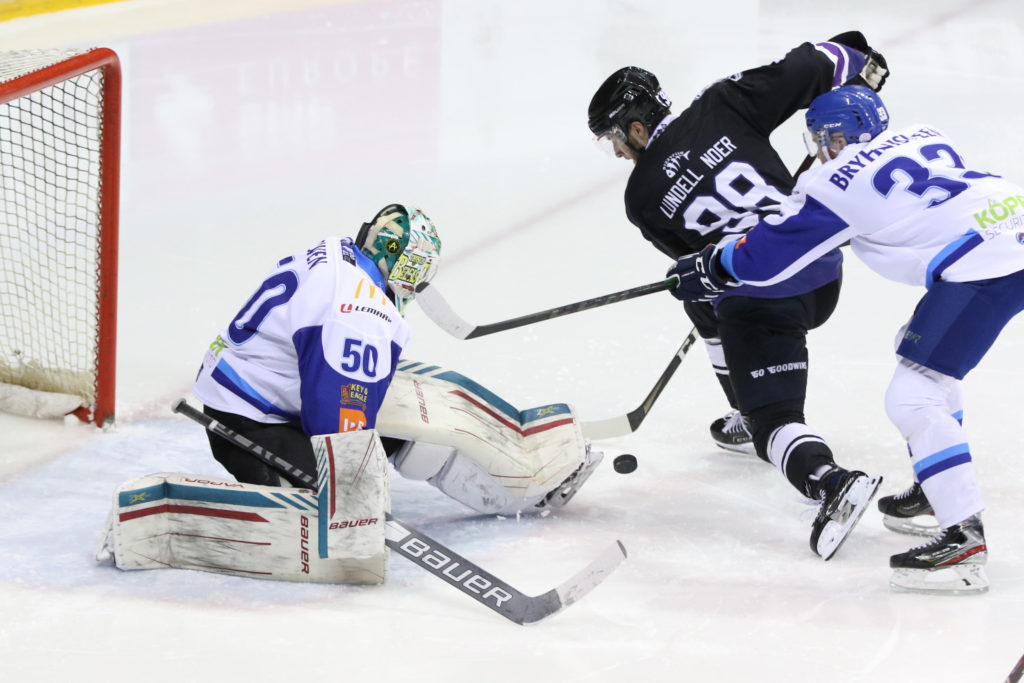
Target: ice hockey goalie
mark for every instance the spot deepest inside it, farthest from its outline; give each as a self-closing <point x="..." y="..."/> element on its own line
<point x="456" y="435"/>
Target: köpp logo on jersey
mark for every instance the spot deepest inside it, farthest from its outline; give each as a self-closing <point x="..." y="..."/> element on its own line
<point x="1020" y="237"/>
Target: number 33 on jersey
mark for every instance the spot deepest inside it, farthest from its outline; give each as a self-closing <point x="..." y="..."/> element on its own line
<point x="317" y="342"/>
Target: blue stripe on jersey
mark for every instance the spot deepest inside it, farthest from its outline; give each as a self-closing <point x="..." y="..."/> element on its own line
<point x="367" y="265"/>
<point x="772" y="252"/>
<point x="848" y="62"/>
<point x="226" y="376"/>
<point x="948" y="256"/>
<point x="942" y="461"/>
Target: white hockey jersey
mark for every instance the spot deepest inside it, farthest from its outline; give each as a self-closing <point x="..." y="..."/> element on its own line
<point x="318" y="342"/>
<point x="909" y="206"/>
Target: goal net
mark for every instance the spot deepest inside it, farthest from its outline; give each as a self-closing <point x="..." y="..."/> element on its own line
<point x="59" y="165"/>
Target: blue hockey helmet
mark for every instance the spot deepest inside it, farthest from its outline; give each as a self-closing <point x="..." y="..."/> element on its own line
<point x="844" y="116"/>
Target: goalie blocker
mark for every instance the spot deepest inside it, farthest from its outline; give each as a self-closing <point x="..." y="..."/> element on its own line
<point x="335" y="535"/>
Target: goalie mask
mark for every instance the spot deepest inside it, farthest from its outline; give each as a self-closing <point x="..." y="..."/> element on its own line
<point x="404" y="245"/>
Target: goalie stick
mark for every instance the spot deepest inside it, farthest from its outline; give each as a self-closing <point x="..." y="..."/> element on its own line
<point x="626" y="424"/>
<point x="438" y="310"/>
<point x="439" y="560"/>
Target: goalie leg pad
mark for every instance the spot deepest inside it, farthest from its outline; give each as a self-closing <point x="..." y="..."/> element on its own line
<point x="216" y="525"/>
<point x="464" y="479"/>
<point x="421" y="460"/>
<point x="481" y="450"/>
<point x="354" y="494"/>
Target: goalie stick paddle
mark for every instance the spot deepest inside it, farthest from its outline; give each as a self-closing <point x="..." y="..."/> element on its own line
<point x="438" y="310"/>
<point x="628" y="423"/>
<point x="439" y="560"/>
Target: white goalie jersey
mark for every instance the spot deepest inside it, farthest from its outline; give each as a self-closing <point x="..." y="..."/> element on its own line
<point x="318" y="342"/>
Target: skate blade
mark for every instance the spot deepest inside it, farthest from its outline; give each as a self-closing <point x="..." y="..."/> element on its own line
<point x="962" y="579"/>
<point x="739" y="449"/>
<point x="922" y="525"/>
<point x="836" y="530"/>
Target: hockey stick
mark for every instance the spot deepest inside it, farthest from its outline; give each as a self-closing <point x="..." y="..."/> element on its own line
<point x="439" y="560"/>
<point x="804" y="165"/>
<point x="628" y="423"/>
<point x="438" y="310"/>
<point x="1017" y="672"/>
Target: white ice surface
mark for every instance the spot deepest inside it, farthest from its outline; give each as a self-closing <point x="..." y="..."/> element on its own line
<point x="251" y="131"/>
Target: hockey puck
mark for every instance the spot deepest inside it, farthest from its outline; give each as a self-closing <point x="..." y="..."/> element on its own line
<point x="625" y="463"/>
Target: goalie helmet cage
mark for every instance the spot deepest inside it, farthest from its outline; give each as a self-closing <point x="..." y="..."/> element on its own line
<point x="59" y="180"/>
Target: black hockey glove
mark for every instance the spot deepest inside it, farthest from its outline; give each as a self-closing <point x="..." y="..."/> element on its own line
<point x="701" y="276"/>
<point x="875" y="71"/>
<point x="854" y="39"/>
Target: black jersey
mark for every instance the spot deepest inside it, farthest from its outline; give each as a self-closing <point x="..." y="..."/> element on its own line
<point x="711" y="171"/>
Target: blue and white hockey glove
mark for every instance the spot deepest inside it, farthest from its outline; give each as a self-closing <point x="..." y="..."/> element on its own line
<point x="701" y="276"/>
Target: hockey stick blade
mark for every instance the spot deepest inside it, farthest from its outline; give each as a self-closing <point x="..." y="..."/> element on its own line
<point x="442" y="314"/>
<point x="437" y="559"/>
<point x="488" y="589"/>
<point x="622" y="425"/>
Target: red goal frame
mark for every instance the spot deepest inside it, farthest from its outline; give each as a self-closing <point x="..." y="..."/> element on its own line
<point x="109" y="197"/>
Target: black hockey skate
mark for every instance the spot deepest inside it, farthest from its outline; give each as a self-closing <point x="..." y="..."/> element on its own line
<point x="909" y="512"/>
<point x="952" y="562"/>
<point x="844" y="497"/>
<point x="731" y="433"/>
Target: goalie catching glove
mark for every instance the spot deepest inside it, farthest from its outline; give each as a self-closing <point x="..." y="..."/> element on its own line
<point x="701" y="276"/>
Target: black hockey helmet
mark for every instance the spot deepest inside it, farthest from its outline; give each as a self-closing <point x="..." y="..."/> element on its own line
<point x="629" y="94"/>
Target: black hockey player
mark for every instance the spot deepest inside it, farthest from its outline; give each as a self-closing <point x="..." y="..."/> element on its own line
<point x="710" y="172"/>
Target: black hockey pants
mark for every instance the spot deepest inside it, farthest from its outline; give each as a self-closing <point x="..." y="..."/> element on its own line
<point x="765" y="347"/>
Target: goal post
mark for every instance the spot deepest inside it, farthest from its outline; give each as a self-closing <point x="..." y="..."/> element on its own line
<point x="60" y="120"/>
